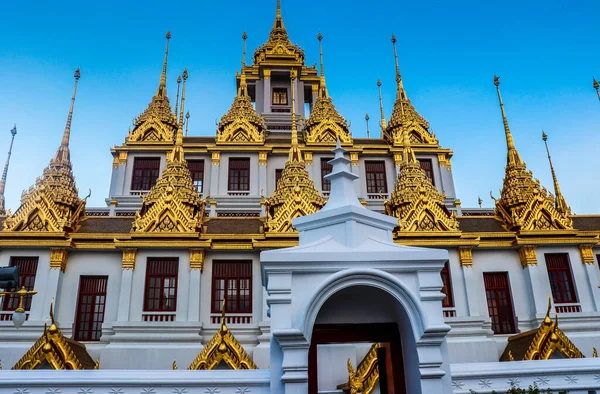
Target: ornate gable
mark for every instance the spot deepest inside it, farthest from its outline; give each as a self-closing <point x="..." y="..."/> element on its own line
<point x="158" y="123"/>
<point x="223" y="347"/>
<point x="173" y="204"/>
<point x="524" y="204"/>
<point x="295" y="194"/>
<point x="418" y="205"/>
<point x="241" y="124"/>
<point x="546" y="342"/>
<point x="56" y="351"/>
<point x="53" y="203"/>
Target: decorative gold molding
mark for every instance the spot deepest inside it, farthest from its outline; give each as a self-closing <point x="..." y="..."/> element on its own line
<point x="354" y="158"/>
<point x="466" y="256"/>
<point x="587" y="254"/>
<point x="366" y="376"/>
<point x="262" y="158"/>
<point x="129" y="256"/>
<point x="397" y="159"/>
<point x="266" y="73"/>
<point x="444" y="159"/>
<point x="58" y="258"/>
<point x="315" y="88"/>
<point x="308" y="158"/>
<point x="197" y="259"/>
<point x="216" y="158"/>
<point x="528" y="255"/>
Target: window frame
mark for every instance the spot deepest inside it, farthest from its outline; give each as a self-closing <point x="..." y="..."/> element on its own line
<point x="236" y="179"/>
<point x="276" y="92"/>
<point x="148" y="175"/>
<point x="499" y="327"/>
<point x="448" y="301"/>
<point x="90" y="333"/>
<point x="560" y="295"/>
<point x="172" y="273"/>
<point x="195" y="171"/>
<point x="424" y="162"/>
<point x="374" y="173"/>
<point x="326" y="169"/>
<point x="27" y="275"/>
<point x="243" y="270"/>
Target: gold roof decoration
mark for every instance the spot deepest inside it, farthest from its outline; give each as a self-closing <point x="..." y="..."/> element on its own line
<point x="559" y="201"/>
<point x="325" y="125"/>
<point x="53" y="203"/>
<point x="53" y="350"/>
<point x="524" y="204"/>
<point x="158" y="123"/>
<point x="545" y="342"/>
<point x="173" y="204"/>
<point x="405" y="118"/>
<point x="241" y="124"/>
<point x="415" y="201"/>
<point x="366" y="376"/>
<point x="222" y="347"/>
<point x="279" y="47"/>
<point x="295" y="194"/>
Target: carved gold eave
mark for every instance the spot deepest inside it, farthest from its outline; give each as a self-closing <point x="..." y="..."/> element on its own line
<point x="58" y="258"/>
<point x="216" y="158"/>
<point x="527" y="255"/>
<point x="197" y="259"/>
<point x="129" y="255"/>
<point x="587" y="254"/>
<point x="465" y="255"/>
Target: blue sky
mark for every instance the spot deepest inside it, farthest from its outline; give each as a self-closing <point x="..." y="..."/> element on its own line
<point x="545" y="53"/>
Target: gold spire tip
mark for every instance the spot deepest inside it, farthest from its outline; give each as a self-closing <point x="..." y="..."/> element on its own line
<point x="596" y="85"/>
<point x="168" y="35"/>
<point x="393" y="39"/>
<point x="496" y="80"/>
<point x="544" y="136"/>
<point x="378" y="82"/>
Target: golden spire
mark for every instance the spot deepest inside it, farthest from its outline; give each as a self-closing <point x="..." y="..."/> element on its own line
<point x="295" y="154"/>
<point x="382" y="123"/>
<point x="560" y="202"/>
<point x="177" y="154"/>
<point x="323" y="87"/>
<point x="596" y="86"/>
<point x="243" y="90"/>
<point x="513" y="157"/>
<point x="63" y="154"/>
<point x="367" y="120"/>
<point x="400" y="94"/>
<point x="244" y="37"/>
<point x="415" y="201"/>
<point x="13" y="132"/>
<point x="162" y="87"/>
<point x="177" y="98"/>
<point x="278" y="20"/>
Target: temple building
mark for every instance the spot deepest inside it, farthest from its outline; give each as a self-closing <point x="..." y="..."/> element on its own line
<point x="169" y="274"/>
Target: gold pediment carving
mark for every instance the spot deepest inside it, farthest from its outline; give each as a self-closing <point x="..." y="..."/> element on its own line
<point x="241" y="124"/>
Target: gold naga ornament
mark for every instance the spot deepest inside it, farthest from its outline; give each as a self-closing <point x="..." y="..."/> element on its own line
<point x="53" y="203"/>
<point x="364" y="379"/>
<point x="545" y="342"/>
<point x="222" y="347"/>
<point x="55" y="351"/>
<point x="158" y="123"/>
<point x="524" y="205"/>
<point x="241" y="124"/>
<point x="295" y="194"/>
<point x="325" y="125"/>
<point x="279" y="47"/>
<point x="405" y="118"/>
<point x="415" y="201"/>
<point x="173" y="204"/>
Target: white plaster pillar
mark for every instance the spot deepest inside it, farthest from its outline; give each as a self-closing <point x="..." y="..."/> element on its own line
<point x="538" y="285"/>
<point x="58" y="264"/>
<point x="592" y="275"/>
<point x="194" y="298"/>
<point x="466" y="264"/>
<point x="128" y="265"/>
<point x="267" y="90"/>
<point x="262" y="174"/>
<point x="214" y="173"/>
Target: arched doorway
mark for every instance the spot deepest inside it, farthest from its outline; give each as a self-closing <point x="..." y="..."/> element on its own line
<point x="363" y="314"/>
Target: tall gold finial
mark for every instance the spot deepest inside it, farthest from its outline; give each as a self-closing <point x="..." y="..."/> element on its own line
<point x="243" y="90"/>
<point x="187" y="122"/>
<point x="596" y="86"/>
<point x="367" y="120"/>
<point x="560" y="202"/>
<point x="513" y="157"/>
<point x="382" y="123"/>
<point x="399" y="87"/>
<point x="13" y="131"/>
<point x="177" y="98"/>
<point x="244" y="37"/>
<point x="162" y="87"/>
<point x="278" y="11"/>
<point x="295" y="154"/>
<point x="177" y="153"/>
<point x="323" y="87"/>
<point x="63" y="153"/>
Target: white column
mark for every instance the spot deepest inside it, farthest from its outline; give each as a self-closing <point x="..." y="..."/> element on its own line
<point x="592" y="275"/>
<point x="214" y="173"/>
<point x="194" y="298"/>
<point x="262" y="177"/>
<point x="267" y="91"/>
<point x="51" y="292"/>
<point x="466" y="264"/>
<point x="538" y="285"/>
<point x="128" y="265"/>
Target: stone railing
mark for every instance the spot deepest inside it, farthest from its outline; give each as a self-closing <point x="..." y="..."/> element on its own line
<point x="135" y="382"/>
<point x="575" y="376"/>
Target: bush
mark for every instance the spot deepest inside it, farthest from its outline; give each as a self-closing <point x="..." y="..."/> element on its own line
<point x="531" y="390"/>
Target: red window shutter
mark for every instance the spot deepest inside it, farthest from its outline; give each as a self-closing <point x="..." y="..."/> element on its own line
<point x="448" y="301"/>
<point x="196" y="168"/>
<point x="233" y="278"/>
<point x="500" y="307"/>
<point x="427" y="166"/>
<point x="27" y="271"/>
<point x="376" y="182"/>
<point x="239" y="174"/>
<point x="161" y="285"/>
<point x="91" y="303"/>
<point x="561" y="279"/>
<point x="326" y="169"/>
<point x="145" y="173"/>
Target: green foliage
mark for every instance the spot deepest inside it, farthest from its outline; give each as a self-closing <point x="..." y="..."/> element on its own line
<point x="531" y="390"/>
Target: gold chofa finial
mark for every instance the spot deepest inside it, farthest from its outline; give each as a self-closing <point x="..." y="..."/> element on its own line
<point x="513" y="157"/>
<point x="560" y="203"/>
<point x="595" y="353"/>
<point x="162" y="87"/>
<point x="382" y="122"/>
<point x="479" y="201"/>
<point x="63" y="154"/>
